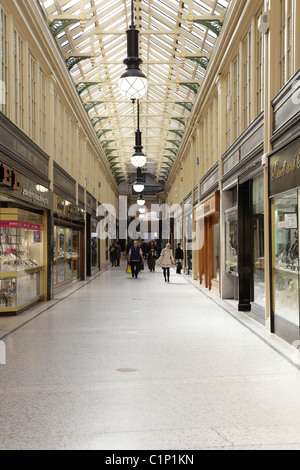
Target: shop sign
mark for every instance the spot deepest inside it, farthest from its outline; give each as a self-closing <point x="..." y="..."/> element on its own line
<point x="285" y="170"/>
<point x="20" y="224"/>
<point x="35" y="196"/>
<point x="9" y="177"/>
<point x="210" y="206"/>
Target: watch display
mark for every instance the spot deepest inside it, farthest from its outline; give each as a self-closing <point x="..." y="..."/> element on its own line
<point x="286" y="257"/>
<point x="21" y="259"/>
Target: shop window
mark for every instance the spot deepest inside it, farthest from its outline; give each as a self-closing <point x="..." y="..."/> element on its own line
<point x="216" y="251"/>
<point x="66" y="256"/>
<point x="21" y="259"/>
<point x="258" y="241"/>
<point x="231" y="241"/>
<point x="286" y="257"/>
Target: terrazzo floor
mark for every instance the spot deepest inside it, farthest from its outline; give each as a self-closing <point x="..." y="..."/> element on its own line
<point x="132" y="364"/>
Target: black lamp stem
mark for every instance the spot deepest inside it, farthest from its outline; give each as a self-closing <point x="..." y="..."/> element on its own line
<point x="132" y="13"/>
<point x="138" y="115"/>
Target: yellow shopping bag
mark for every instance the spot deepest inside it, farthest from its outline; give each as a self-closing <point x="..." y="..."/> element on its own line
<point x="128" y="270"/>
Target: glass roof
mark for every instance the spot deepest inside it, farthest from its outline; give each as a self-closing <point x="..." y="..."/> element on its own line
<point x="176" y="41"/>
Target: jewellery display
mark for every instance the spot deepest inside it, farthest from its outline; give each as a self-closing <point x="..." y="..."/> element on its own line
<point x="231" y="237"/>
<point x="286" y="258"/>
<point x="21" y="257"/>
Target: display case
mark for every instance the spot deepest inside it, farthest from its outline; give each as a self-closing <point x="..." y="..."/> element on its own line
<point x="286" y="257"/>
<point x="21" y="259"/>
<point x="231" y="241"/>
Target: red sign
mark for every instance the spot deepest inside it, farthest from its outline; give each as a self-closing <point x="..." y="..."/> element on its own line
<point x="9" y="177"/>
<point x="18" y="224"/>
<point x="11" y="250"/>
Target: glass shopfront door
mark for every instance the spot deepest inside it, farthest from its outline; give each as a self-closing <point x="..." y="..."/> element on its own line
<point x="285" y="265"/>
<point x="66" y="263"/>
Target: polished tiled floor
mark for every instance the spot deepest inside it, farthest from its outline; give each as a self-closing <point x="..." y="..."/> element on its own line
<point x="125" y="364"/>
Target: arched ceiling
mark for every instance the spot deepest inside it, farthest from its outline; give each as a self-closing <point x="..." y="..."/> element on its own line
<point x="176" y="42"/>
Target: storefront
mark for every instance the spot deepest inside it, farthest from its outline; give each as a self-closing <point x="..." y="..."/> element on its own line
<point x="188" y="234"/>
<point x="68" y="232"/>
<point x="92" y="241"/>
<point x="284" y="192"/>
<point x="25" y="214"/>
<point x="242" y="221"/>
<point x="207" y="215"/>
<point x="209" y="253"/>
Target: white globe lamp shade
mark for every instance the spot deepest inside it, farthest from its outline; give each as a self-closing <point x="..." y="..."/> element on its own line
<point x="142" y="210"/>
<point x="133" y="84"/>
<point x="138" y="159"/>
<point x="141" y="200"/>
<point x="138" y="187"/>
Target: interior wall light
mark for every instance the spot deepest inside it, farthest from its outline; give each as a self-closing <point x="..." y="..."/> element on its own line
<point x="138" y="159"/>
<point x="133" y="83"/>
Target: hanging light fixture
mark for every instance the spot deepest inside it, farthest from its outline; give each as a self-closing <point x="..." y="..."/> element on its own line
<point x="139" y="186"/>
<point x="142" y="210"/>
<point x="133" y="83"/>
<point x="142" y="216"/>
<point x="141" y="200"/>
<point x="138" y="159"/>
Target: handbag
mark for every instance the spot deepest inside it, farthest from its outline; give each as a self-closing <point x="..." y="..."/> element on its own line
<point x="128" y="269"/>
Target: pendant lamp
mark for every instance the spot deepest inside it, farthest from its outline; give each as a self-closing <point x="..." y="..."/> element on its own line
<point x="133" y="83"/>
<point x="138" y="159"/>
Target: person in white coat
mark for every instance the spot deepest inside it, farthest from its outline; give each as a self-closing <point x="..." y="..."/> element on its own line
<point x="167" y="261"/>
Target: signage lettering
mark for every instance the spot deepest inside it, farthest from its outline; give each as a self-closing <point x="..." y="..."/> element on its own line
<point x="9" y="177"/>
<point x="35" y="197"/>
<point x="278" y="171"/>
<point x="207" y="207"/>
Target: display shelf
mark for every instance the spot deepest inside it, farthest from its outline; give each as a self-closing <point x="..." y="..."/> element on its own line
<point x="15" y="310"/>
<point x="21" y="260"/>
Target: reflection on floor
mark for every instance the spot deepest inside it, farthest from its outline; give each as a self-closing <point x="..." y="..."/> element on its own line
<point x="126" y="363"/>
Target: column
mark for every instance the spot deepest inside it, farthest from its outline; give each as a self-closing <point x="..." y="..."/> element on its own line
<point x="271" y="87"/>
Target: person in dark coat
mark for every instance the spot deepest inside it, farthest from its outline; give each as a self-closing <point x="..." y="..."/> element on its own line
<point x="117" y="253"/>
<point x="112" y="253"/>
<point x="179" y="258"/>
<point x="135" y="258"/>
<point x="151" y="256"/>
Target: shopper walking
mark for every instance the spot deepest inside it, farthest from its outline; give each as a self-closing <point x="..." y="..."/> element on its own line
<point x="117" y="253"/>
<point x="167" y="261"/>
<point x="179" y="258"/>
<point x="112" y="253"/>
<point x="151" y="257"/>
<point x="135" y="258"/>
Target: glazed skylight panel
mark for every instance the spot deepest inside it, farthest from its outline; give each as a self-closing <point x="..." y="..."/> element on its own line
<point x="164" y="34"/>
